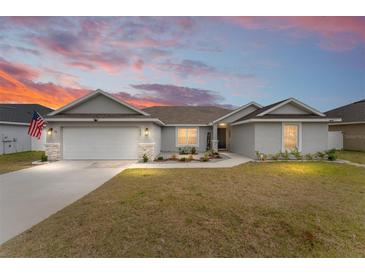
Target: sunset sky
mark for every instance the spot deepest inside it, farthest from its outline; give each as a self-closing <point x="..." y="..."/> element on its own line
<point x="148" y="61"/>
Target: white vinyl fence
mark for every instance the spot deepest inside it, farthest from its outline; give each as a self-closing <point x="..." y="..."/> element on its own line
<point x="335" y="140"/>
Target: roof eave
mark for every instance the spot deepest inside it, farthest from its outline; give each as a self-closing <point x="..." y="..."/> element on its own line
<point x="312" y="120"/>
<point x="154" y="120"/>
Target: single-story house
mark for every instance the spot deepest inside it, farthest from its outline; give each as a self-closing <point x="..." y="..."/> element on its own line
<point x="352" y="125"/>
<point x="99" y="126"/>
<point x="14" y="122"/>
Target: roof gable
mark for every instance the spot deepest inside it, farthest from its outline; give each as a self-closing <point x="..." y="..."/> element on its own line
<point x="290" y="106"/>
<point x="98" y="102"/>
<point x="238" y="113"/>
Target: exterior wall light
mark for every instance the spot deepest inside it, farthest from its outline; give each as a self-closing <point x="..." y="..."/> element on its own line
<point x="49" y="131"/>
<point x="146" y="132"/>
<point x="222" y="124"/>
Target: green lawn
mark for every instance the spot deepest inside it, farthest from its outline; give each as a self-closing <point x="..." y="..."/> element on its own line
<point x="353" y="156"/>
<point x="310" y="209"/>
<point x="16" y="161"/>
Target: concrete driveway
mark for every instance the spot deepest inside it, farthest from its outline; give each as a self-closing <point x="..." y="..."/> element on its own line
<point x="31" y="195"/>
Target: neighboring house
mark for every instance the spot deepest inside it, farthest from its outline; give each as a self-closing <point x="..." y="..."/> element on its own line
<point x="99" y="126"/>
<point x="352" y="125"/>
<point x="14" y="122"/>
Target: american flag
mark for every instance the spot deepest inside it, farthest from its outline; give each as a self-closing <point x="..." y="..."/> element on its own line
<point x="36" y="125"/>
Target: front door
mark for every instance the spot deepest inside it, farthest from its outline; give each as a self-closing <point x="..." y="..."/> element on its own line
<point x="222" y="138"/>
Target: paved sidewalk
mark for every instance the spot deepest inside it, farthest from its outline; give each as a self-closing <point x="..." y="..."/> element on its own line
<point x="340" y="161"/>
<point x="234" y="160"/>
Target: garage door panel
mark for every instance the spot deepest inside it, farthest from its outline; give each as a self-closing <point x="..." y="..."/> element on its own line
<point x="100" y="143"/>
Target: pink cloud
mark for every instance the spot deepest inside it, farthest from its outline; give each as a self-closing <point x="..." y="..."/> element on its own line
<point x="334" y="33"/>
<point x="18" y="70"/>
<point x="177" y="95"/>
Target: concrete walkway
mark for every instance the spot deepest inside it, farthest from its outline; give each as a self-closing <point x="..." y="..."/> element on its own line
<point x="29" y="196"/>
<point x="234" y="160"/>
<point x="340" y="161"/>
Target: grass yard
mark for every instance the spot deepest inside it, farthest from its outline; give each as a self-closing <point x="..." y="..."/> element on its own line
<point x="20" y="160"/>
<point x="310" y="209"/>
<point x="353" y="156"/>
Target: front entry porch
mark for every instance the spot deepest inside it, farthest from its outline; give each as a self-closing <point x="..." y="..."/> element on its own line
<point x="221" y="137"/>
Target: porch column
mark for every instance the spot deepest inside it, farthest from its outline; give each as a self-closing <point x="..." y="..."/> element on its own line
<point x="215" y="138"/>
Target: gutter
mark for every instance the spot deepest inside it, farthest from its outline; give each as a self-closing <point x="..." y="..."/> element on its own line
<point x="318" y="120"/>
<point x="14" y="123"/>
<point x="157" y="121"/>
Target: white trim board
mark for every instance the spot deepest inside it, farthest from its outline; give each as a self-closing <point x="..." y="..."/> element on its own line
<point x="316" y="120"/>
<point x="187" y="125"/>
<point x="292" y="100"/>
<point x="346" y="123"/>
<point x="155" y="120"/>
<point x="13" y="123"/>
<point x="92" y="94"/>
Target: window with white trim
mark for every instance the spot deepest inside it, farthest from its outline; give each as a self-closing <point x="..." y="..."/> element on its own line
<point x="187" y="136"/>
<point x="290" y="137"/>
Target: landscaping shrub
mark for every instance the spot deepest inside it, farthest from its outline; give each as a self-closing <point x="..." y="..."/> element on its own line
<point x="331" y="155"/>
<point x="320" y="155"/>
<point x="275" y="156"/>
<point x="261" y="156"/>
<point x="160" y="158"/>
<point x="145" y="158"/>
<point x="173" y="157"/>
<point x="205" y="158"/>
<point x="285" y="155"/>
<point x="187" y="150"/>
<point x="44" y="157"/>
<point x="183" y="159"/>
<point x="308" y="156"/>
<point x="295" y="152"/>
<point x="190" y="157"/>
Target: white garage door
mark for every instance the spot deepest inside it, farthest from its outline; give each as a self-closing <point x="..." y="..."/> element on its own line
<point x="81" y="143"/>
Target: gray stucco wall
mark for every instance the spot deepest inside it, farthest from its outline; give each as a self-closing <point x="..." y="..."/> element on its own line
<point x="243" y="139"/>
<point x="101" y="104"/>
<point x="22" y="140"/>
<point x="315" y="137"/>
<point x="156" y="131"/>
<point x="168" y="139"/>
<point x="268" y="137"/>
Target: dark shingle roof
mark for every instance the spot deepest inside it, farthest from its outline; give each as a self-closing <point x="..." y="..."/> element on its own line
<point x="354" y="112"/>
<point x="21" y="113"/>
<point x="187" y="114"/>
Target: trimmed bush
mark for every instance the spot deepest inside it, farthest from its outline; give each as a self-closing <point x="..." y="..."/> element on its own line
<point x="44" y="157"/>
<point x="145" y="158"/>
<point x="331" y="155"/>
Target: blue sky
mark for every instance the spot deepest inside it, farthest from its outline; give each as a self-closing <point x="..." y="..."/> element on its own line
<point x="147" y="61"/>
